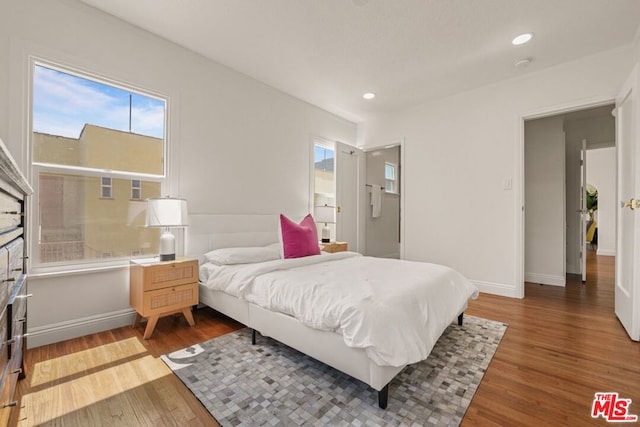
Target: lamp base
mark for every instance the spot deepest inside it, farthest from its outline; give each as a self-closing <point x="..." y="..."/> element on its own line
<point x="326" y="234"/>
<point x="167" y="246"/>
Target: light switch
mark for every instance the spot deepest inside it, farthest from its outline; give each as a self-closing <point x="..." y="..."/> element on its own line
<point x="508" y="184"/>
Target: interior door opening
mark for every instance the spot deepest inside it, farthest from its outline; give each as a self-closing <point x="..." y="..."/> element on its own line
<point x="561" y="223"/>
<point x="334" y="198"/>
<point x="383" y="189"/>
<point x="323" y="180"/>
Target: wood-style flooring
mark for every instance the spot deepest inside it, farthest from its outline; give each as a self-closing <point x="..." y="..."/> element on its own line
<point x="562" y="345"/>
<point x="116" y="378"/>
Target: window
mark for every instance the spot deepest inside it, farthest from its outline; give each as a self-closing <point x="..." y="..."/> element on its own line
<point x="390" y="178"/>
<point x="324" y="179"/>
<point x="136" y="189"/>
<point x="105" y="188"/>
<point x="98" y="148"/>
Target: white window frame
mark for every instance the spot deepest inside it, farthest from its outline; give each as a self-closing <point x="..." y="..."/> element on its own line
<point x="393" y="181"/>
<point x="108" y="187"/>
<point x="35" y="168"/>
<point x="137" y="188"/>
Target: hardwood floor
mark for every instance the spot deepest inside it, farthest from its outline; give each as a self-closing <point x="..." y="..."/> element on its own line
<point x="562" y="345"/>
<point x="116" y="378"/>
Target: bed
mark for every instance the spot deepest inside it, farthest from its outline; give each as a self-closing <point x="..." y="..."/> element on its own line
<point x="251" y="293"/>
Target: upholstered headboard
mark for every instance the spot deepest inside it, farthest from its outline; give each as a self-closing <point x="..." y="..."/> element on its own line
<point x="210" y="231"/>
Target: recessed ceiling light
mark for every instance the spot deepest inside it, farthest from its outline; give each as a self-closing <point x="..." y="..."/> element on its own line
<point x="369" y="95"/>
<point x="522" y="39"/>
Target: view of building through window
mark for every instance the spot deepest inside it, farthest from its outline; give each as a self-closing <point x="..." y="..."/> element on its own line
<point x="97" y="154"/>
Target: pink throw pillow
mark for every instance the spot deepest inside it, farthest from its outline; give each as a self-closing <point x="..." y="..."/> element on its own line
<point x="299" y="240"/>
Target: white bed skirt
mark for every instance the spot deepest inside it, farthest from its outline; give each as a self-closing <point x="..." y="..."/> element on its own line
<point x="327" y="347"/>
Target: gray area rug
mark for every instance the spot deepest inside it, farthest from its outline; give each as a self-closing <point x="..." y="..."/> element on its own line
<point x="272" y="384"/>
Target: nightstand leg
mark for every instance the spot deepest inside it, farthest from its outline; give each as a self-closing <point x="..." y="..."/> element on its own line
<point x="187" y="314"/>
<point x="137" y="320"/>
<point x="151" y="325"/>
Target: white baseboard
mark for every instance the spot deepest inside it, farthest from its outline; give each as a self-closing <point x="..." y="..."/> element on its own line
<point x="49" y="334"/>
<point x="606" y="252"/>
<point x="496" y="288"/>
<point x="545" y="279"/>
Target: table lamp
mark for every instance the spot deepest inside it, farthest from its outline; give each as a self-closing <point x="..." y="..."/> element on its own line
<point x="326" y="214"/>
<point x="167" y="212"/>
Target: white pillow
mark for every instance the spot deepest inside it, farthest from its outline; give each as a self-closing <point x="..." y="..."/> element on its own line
<point x="246" y="255"/>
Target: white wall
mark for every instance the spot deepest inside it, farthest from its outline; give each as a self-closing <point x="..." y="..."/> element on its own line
<point x="460" y="150"/>
<point x="237" y="146"/>
<point x="601" y="173"/>
<point x="545" y="201"/>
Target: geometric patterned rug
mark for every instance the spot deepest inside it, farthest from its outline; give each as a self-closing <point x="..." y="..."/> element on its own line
<point x="272" y="384"/>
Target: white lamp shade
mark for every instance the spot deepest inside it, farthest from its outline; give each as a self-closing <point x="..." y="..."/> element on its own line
<point x="326" y="214"/>
<point x="167" y="212"/>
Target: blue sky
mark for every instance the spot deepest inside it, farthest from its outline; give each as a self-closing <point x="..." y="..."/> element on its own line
<point x="63" y="103"/>
<point x="320" y="153"/>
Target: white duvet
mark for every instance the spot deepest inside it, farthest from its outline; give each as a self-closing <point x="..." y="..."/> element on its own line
<point x="393" y="309"/>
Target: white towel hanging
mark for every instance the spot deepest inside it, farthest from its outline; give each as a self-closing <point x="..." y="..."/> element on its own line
<point x="376" y="201"/>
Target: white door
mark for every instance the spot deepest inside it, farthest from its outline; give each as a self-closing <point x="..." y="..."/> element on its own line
<point x="627" y="289"/>
<point x="583" y="210"/>
<point x="347" y="170"/>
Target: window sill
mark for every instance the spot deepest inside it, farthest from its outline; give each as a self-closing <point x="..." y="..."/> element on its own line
<point x="38" y="273"/>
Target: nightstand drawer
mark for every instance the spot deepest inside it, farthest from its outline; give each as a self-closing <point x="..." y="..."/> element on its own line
<point x="168" y="299"/>
<point x="163" y="276"/>
<point x="335" y="247"/>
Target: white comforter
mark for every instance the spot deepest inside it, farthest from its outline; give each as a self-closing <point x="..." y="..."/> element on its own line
<point x="396" y="310"/>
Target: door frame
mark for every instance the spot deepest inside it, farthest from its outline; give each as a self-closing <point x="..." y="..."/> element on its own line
<point x="393" y="142"/>
<point x="312" y="142"/>
<point x="627" y="299"/>
<point x="519" y="202"/>
<point x="333" y="144"/>
<point x="583" y="211"/>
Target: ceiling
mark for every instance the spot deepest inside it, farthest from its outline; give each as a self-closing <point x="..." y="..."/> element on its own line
<point x="330" y="52"/>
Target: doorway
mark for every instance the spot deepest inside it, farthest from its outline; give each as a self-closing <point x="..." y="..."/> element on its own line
<point x="383" y="190"/>
<point x="553" y="189"/>
<point x="334" y="196"/>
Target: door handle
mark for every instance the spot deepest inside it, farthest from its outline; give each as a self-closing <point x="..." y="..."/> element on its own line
<point x="632" y="204"/>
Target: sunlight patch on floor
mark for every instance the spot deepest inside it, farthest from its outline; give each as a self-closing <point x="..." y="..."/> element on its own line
<point x="68" y="366"/>
<point x="66" y="384"/>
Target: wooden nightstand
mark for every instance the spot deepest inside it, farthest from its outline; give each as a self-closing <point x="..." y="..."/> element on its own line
<point x="158" y="288"/>
<point x="335" y="247"/>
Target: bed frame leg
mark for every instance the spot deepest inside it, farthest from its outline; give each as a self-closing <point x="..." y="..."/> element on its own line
<point x="253" y="337"/>
<point x="383" y="397"/>
<point x="460" y="319"/>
